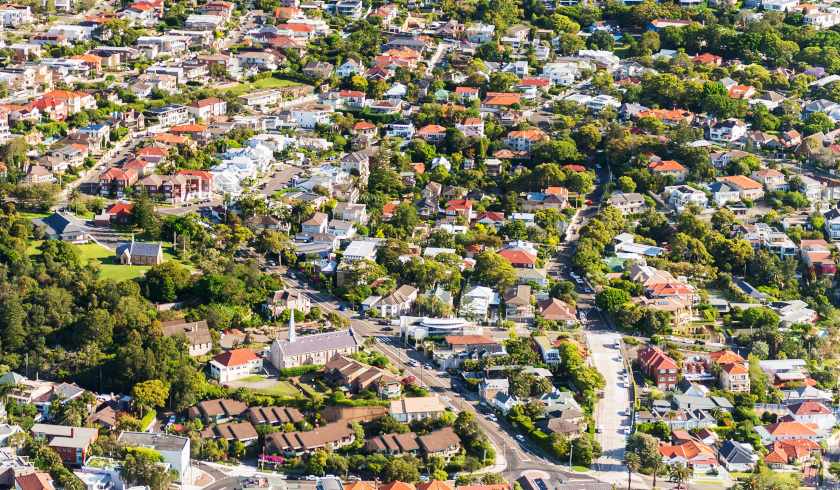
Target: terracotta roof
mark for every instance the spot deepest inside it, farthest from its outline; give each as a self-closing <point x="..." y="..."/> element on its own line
<point x="688" y="450"/>
<point x="466" y="90"/>
<point x="431" y="129"/>
<point x="170" y="139"/>
<point x="725" y="356"/>
<point x="518" y="256"/>
<point x="787" y="429"/>
<point x="529" y="134"/>
<point x="360" y="485"/>
<point x="236" y="357"/>
<point x="809" y="408"/>
<point x="34" y="481"/>
<point x="153" y="151"/>
<point x="468" y="340"/>
<point x="188" y="128"/>
<point x="397" y="485"/>
<point x="666" y="166"/>
<point x="741" y="182"/>
<point x="362" y="125"/>
<point x="735" y="368"/>
<point x="434" y="485"/>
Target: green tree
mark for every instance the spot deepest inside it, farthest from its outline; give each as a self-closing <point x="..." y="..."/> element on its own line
<point x="633" y="463"/>
<point x="142" y="468"/>
<point x="612" y="300"/>
<point x="150" y="394"/>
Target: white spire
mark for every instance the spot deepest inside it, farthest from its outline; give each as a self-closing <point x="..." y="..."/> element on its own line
<point x="292" y="335"/>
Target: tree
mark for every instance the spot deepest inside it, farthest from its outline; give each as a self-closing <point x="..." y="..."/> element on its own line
<point x="142" y="468"/>
<point x="163" y="283"/>
<point x="601" y="40"/>
<point x="150" y="394"/>
<point x="633" y="463"/>
<point x="612" y="299"/>
<point x="626" y="184"/>
<point x="818" y="122"/>
<point x="679" y="473"/>
<point x="493" y="269"/>
<point x="405" y="469"/>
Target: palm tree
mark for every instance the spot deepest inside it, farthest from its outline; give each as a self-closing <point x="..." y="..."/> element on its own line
<point x="633" y="463"/>
<point x="656" y="466"/>
<point x="679" y="474"/>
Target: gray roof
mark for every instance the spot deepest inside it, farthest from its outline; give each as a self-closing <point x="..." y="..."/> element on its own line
<point x="340" y="339"/>
<point x="160" y="442"/>
<point x="140" y="249"/>
<point x="58" y="224"/>
<point x="197" y="333"/>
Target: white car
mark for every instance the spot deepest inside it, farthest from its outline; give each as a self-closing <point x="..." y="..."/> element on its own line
<point x="520" y="437"/>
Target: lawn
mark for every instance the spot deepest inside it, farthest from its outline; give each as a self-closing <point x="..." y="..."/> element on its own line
<point x="32" y="215"/>
<point x="281" y="389"/>
<point x="110" y="268"/>
<point x="261" y="84"/>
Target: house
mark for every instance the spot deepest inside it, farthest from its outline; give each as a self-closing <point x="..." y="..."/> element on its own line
<point x="206" y="109"/>
<point x="59" y="227"/>
<point x="349" y="68"/>
<point x="519" y="256"/>
<point x="140" y="253"/>
<point x="318" y="223"/>
<point x="243" y="432"/>
<point x="771" y="179"/>
<point x="518" y="306"/>
<point x="217" y="410"/>
<point x="737" y="456"/>
<point x="331" y="436"/>
<point x="669" y="168"/>
<point x="695" y="455"/>
<point x="417" y="408"/>
<point x="817" y="257"/>
<point x="235" y="364"/>
<point x="358" y="377"/>
<point x="360" y="250"/>
<point x="813" y="413"/>
<point x="735" y="377"/>
<point x="628" y="202"/>
<point x="524" y="140"/>
<point x="175" y="450"/>
<point x="284" y="299"/>
<point x="548" y="351"/>
<point x="460" y="207"/>
<point x="786" y="455"/>
<point x="197" y="334"/>
<point x="442" y="443"/>
<point x="727" y="131"/>
<point x="36" y="480"/>
<point x="274" y="415"/>
<point x="318" y="69"/>
<point x="432" y="133"/>
<point x="556" y="310"/>
<point x="785" y="431"/>
<point x="393" y="444"/>
<point x="71" y="443"/>
<point x="748" y="189"/>
<point x="479" y="303"/>
<point x="658" y="366"/>
<point x="399" y="302"/>
<point x="681" y="196"/>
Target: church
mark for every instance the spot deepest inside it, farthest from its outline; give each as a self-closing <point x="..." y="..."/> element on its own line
<point x="312" y="349"/>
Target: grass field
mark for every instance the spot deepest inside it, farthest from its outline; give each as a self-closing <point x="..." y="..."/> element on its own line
<point x="282" y="388"/>
<point x="261" y="84"/>
<point x="110" y="268"/>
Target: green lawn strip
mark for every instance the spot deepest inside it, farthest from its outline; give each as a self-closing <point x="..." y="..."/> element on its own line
<point x="282" y="388"/>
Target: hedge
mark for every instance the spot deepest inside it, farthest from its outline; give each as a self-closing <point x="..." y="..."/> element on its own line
<point x="299" y="370"/>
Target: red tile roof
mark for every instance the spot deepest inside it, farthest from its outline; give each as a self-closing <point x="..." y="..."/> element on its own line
<point x="236" y="357"/>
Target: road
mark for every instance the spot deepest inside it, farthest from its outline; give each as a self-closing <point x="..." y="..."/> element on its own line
<point x="612" y="412"/>
<point x="114" y="155"/>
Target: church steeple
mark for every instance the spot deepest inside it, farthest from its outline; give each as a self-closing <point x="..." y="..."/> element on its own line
<point x="292" y="334"/>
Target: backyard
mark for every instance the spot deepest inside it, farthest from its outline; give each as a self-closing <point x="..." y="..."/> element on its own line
<point x="261" y="84"/>
<point x="266" y="385"/>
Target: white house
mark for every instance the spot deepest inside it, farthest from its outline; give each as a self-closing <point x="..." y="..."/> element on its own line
<point x="235" y="364"/>
<point x="309" y="118"/>
<point x="832" y="224"/>
<point x="728" y="131"/>
<point x="175" y="450"/>
<point x="680" y="196"/>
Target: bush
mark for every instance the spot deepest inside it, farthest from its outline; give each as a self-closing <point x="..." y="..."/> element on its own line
<point x="299" y="370"/>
